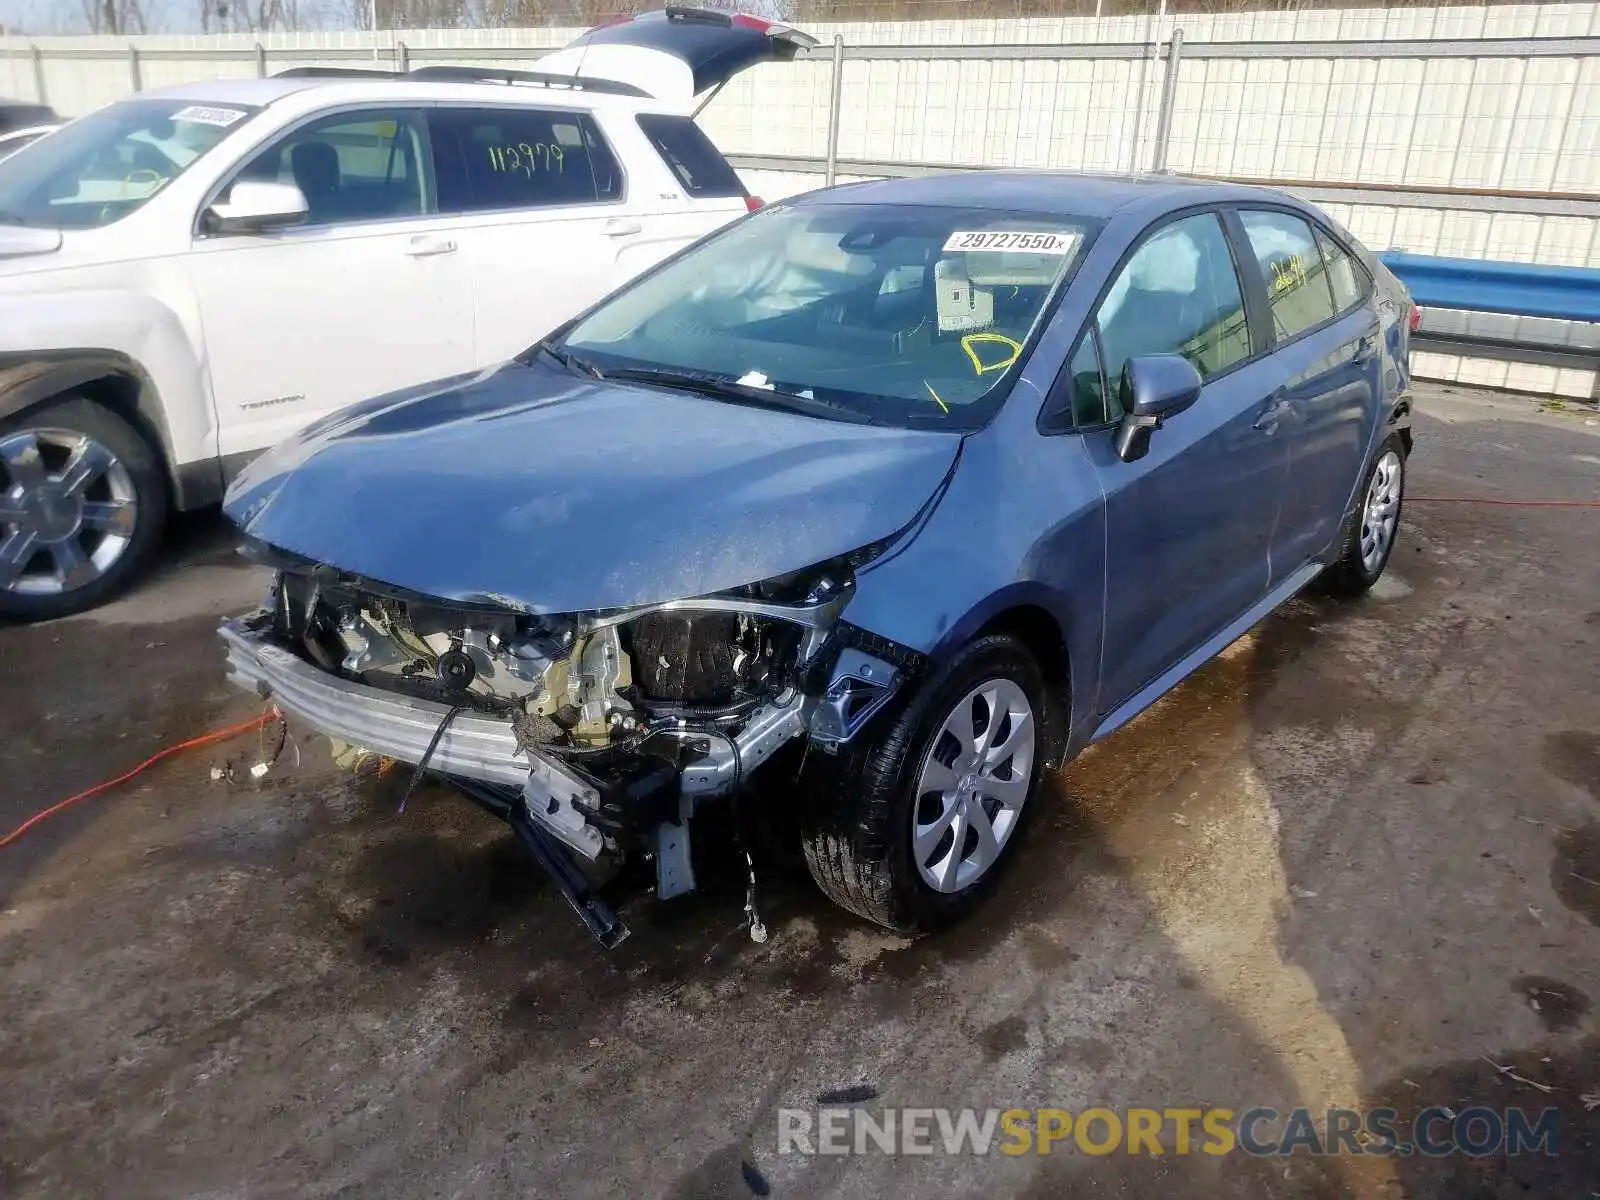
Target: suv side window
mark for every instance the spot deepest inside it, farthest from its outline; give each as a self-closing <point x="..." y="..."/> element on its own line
<point x="1178" y="294"/>
<point x="1347" y="277"/>
<point x="1297" y="284"/>
<point x="363" y="166"/>
<point x="492" y="159"/>
<point x="697" y="163"/>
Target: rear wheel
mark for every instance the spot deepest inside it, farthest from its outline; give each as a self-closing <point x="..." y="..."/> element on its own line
<point x="1369" y="533"/>
<point x="926" y="814"/>
<point x="82" y="503"/>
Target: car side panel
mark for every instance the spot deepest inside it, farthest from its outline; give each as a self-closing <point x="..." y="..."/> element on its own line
<point x="1188" y="527"/>
<point x="301" y="322"/>
<point x="1020" y="524"/>
<point x="1333" y="385"/>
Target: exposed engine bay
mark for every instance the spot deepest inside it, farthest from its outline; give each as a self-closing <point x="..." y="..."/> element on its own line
<point x="569" y="684"/>
<point x="620" y="723"/>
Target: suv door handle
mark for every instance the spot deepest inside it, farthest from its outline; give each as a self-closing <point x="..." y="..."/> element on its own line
<point x="1366" y="347"/>
<point x="622" y="227"/>
<point x="425" y="244"/>
<point x="1267" y="422"/>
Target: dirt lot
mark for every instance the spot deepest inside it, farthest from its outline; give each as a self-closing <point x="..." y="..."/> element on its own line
<point x="1346" y="864"/>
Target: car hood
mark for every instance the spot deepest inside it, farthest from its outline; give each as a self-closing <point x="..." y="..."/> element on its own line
<point x="529" y="487"/>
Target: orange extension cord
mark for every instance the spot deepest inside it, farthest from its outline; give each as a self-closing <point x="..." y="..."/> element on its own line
<point x="218" y="736"/>
<point x="1503" y="503"/>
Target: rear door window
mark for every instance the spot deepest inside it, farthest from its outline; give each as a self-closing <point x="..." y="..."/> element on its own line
<point x="495" y="159"/>
<point x="1346" y="276"/>
<point x="691" y="156"/>
<point x="1297" y="283"/>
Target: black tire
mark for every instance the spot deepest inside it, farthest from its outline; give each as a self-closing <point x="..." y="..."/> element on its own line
<point x="78" y="415"/>
<point x="858" y="835"/>
<point x="1350" y="574"/>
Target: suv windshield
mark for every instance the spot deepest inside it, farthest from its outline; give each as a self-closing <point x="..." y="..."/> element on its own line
<point x="904" y="315"/>
<point x="99" y="169"/>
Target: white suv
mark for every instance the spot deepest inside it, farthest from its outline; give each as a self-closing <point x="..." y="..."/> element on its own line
<point x="189" y="275"/>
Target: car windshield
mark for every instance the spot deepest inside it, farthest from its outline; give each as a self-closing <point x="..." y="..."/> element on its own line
<point x="903" y="315"/>
<point x="99" y="169"/>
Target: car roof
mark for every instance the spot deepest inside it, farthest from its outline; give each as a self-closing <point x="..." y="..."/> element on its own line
<point x="1064" y="193"/>
<point x="396" y="90"/>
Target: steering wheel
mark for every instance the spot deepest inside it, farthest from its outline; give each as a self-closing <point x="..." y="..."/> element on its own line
<point x="152" y="158"/>
<point x="137" y="175"/>
<point x="980" y="367"/>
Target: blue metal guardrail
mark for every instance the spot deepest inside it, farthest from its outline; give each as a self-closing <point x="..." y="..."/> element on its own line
<point x="1515" y="289"/>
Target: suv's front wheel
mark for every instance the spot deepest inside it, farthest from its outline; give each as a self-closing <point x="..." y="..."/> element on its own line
<point x="82" y="503"/>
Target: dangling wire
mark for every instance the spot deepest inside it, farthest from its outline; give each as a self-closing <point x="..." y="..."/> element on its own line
<point x="758" y="931"/>
<point x="427" y="755"/>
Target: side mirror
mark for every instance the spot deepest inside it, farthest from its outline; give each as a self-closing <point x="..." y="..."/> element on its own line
<point x="256" y="205"/>
<point x="1154" y="387"/>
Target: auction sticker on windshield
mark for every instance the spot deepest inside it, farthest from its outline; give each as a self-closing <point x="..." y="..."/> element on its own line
<point x="201" y="115"/>
<point x="1029" y="241"/>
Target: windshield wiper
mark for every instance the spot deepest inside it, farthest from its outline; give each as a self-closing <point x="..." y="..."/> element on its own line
<point x="721" y="387"/>
<point x="573" y="362"/>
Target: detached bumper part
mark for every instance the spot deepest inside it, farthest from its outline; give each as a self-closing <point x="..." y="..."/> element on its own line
<point x="396" y="726"/>
<point x="859" y="686"/>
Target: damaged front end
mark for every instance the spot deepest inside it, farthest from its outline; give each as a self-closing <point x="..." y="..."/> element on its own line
<point x="598" y="734"/>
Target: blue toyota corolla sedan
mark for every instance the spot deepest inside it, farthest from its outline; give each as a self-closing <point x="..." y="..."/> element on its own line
<point x="905" y="490"/>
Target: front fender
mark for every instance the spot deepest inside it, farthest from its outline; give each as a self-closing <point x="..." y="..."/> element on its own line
<point x="55" y="342"/>
<point x="1019" y="527"/>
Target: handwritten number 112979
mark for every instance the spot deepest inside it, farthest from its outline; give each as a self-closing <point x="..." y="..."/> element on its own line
<point x="527" y="158"/>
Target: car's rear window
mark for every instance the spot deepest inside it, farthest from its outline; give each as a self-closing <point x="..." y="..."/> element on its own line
<point x="685" y="148"/>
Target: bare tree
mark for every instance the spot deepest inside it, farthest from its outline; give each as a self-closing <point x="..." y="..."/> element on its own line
<point x="113" y="16"/>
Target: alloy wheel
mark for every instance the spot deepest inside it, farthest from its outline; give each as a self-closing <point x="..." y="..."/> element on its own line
<point x="1381" y="511"/>
<point x="68" y="511"/>
<point x="973" y="785"/>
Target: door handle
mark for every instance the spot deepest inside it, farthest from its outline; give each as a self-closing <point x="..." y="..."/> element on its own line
<point x="1267" y="422"/>
<point x="425" y="244"/>
<point x="622" y="227"/>
<point x="1366" y="348"/>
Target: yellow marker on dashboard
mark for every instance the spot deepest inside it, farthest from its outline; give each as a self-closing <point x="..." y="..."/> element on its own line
<point x="981" y="367"/>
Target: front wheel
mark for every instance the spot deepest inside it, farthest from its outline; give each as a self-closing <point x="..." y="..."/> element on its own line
<point x="926" y="814"/>
<point x="82" y="503"/>
<point x="1369" y="534"/>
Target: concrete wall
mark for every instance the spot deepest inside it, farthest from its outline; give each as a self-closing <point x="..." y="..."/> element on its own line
<point x="1494" y="121"/>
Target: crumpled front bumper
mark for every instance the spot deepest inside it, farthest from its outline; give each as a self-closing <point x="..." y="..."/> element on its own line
<point x="397" y="726"/>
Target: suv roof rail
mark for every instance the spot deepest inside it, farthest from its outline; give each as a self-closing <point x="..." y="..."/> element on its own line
<point x="536" y="78"/>
<point x="336" y="73"/>
<point x="573" y="83"/>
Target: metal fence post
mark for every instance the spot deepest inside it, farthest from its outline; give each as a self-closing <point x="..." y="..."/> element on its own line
<point x="261" y="61"/>
<point x="38" y="74"/>
<point x="833" y="108"/>
<point x="1169" y="96"/>
<point x="403" y="57"/>
<point x="133" y="68"/>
